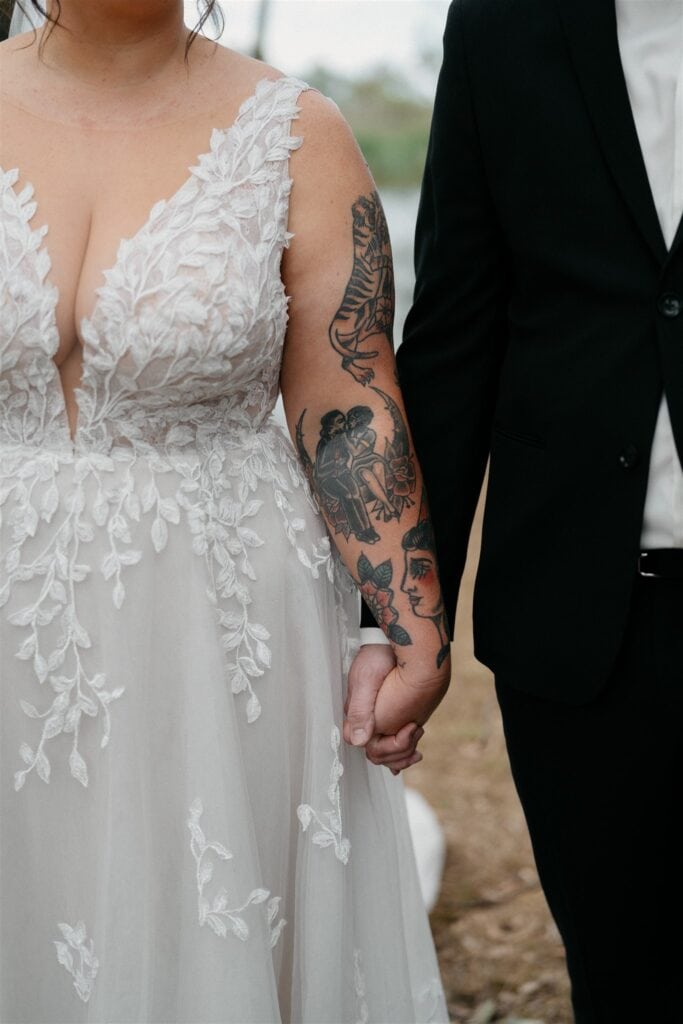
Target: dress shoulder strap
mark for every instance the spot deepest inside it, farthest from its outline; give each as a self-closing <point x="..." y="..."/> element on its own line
<point x="272" y="110"/>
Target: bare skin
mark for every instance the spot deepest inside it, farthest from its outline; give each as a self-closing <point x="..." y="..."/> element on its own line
<point x="370" y="668"/>
<point x="80" y="125"/>
<point x="105" y="124"/>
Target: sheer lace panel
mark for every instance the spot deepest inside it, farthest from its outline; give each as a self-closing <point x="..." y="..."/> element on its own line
<point x="186" y="334"/>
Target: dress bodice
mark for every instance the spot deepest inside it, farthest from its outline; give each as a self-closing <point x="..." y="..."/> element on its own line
<point x="186" y="335"/>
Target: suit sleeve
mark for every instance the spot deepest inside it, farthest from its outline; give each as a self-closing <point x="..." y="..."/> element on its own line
<point x="456" y="332"/>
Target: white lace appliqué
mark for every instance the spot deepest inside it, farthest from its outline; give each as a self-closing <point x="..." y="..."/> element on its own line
<point x="78" y="945"/>
<point x="218" y="913"/>
<point x="330" y="831"/>
<point x="180" y="374"/>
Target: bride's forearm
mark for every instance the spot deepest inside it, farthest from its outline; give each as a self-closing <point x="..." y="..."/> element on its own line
<point x="342" y="400"/>
<point x="361" y="465"/>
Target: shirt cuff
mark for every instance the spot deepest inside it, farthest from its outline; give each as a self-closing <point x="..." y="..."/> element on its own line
<point x="372" y="635"/>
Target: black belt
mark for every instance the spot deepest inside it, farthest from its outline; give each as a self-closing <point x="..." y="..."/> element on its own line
<point x="661" y="564"/>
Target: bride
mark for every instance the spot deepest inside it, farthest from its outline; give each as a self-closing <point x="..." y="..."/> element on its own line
<point x="184" y="233"/>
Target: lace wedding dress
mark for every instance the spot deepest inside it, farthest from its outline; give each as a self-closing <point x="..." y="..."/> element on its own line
<point x="183" y="835"/>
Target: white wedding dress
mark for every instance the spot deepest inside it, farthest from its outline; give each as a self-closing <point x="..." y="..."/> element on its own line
<point x="183" y="836"/>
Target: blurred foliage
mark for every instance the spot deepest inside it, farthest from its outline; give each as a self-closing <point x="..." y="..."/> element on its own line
<point x="389" y="119"/>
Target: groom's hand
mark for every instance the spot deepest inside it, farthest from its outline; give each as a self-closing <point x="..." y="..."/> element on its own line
<point x="370" y="668"/>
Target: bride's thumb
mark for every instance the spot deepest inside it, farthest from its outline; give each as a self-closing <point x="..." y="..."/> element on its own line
<point x="359" y="724"/>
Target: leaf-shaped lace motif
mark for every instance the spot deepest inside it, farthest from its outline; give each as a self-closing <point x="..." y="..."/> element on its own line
<point x="218" y="913"/>
<point x="330" y="831"/>
<point x="180" y="375"/>
<point x="217" y="500"/>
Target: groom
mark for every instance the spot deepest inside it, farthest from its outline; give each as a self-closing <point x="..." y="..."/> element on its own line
<point x="547" y="333"/>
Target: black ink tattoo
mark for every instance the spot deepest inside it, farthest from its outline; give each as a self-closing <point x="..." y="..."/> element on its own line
<point x="420" y="578"/>
<point x="375" y="586"/>
<point x="353" y="480"/>
<point x="367" y="310"/>
<point x="401" y="478"/>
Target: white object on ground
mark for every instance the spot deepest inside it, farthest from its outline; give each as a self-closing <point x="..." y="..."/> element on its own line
<point x="429" y="843"/>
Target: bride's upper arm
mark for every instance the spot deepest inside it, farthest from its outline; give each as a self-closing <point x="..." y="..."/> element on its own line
<point x="339" y="233"/>
<point x="328" y="173"/>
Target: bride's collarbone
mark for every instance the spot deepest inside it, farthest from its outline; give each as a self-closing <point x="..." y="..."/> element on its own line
<point x="91" y="203"/>
<point x="97" y="191"/>
<point x="94" y="188"/>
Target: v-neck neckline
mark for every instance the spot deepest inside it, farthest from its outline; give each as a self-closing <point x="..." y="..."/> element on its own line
<point x="218" y="137"/>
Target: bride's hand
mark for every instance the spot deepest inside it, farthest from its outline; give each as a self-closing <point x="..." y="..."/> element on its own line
<point x="393" y="704"/>
<point x="368" y="672"/>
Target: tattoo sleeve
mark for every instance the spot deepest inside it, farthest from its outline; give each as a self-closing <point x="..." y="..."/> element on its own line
<point x="359" y="460"/>
<point x="364" y="488"/>
<point x="360" y="482"/>
<point x="366" y="315"/>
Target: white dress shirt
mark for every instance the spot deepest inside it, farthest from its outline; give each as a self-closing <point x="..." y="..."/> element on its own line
<point x="650" y="36"/>
<point x="651" y="44"/>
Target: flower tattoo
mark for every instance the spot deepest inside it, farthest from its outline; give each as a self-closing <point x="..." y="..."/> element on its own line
<point x="375" y="586"/>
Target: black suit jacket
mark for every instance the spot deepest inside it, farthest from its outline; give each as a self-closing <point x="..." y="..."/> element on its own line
<point x="547" y="322"/>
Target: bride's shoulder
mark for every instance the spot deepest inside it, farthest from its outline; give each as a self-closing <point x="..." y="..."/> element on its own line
<point x="14" y="68"/>
<point x="325" y="133"/>
<point x="236" y="73"/>
<point x="12" y="47"/>
<point x="328" y="169"/>
<point x="319" y="121"/>
<point x="320" y="113"/>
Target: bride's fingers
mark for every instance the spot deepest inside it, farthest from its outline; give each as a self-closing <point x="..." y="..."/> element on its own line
<point x="403" y="743"/>
<point x="396" y="769"/>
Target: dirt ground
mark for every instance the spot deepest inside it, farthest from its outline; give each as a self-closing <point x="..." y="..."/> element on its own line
<point x="499" y="950"/>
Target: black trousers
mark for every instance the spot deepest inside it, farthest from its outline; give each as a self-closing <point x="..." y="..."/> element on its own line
<point x="602" y="789"/>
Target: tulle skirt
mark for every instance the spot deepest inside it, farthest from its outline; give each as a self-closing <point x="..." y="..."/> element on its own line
<point x="184" y="836"/>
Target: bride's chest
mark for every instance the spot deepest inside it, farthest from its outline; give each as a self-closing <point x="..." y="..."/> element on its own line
<point x="93" y="188"/>
<point x="125" y="233"/>
<point x="192" y="306"/>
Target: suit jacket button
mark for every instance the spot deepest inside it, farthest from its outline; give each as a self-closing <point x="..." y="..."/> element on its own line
<point x="670" y="306"/>
<point x="629" y="457"/>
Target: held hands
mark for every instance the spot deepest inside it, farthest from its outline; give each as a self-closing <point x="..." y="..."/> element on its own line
<point x="387" y="706"/>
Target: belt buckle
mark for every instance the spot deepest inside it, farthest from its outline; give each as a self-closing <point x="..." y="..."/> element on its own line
<point x="642" y="571"/>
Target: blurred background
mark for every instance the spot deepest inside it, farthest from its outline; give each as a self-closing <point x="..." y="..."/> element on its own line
<point x="499" y="951"/>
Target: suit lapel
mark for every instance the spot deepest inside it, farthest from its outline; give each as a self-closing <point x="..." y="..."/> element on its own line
<point x="677" y="242"/>
<point x="590" y="27"/>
